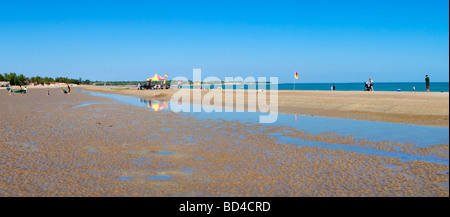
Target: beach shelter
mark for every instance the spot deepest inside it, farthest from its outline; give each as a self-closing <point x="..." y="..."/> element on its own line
<point x="156" y="77"/>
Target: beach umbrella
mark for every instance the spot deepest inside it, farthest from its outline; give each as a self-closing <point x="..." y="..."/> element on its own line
<point x="156" y="77"/>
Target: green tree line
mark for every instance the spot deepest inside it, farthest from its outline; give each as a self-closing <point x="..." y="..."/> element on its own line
<point x="21" y="79"/>
<point x="16" y="80"/>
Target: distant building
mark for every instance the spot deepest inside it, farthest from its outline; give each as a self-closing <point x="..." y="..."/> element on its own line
<point x="4" y="84"/>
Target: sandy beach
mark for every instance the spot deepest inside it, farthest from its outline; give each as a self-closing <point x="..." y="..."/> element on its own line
<point x="418" y="108"/>
<point x="84" y="145"/>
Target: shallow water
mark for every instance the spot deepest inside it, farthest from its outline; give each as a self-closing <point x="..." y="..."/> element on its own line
<point x="362" y="150"/>
<point x="421" y="136"/>
<point x="159" y="177"/>
<point x="125" y="178"/>
<point x="166" y="152"/>
<point x="89" y="103"/>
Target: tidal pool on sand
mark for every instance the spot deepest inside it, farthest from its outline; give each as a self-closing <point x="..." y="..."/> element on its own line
<point x="125" y="178"/>
<point x="159" y="177"/>
<point x="421" y="136"/>
<point x="166" y="152"/>
<point x="362" y="150"/>
<point x="89" y="103"/>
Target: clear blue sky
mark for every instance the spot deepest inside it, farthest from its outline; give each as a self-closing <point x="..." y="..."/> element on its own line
<point x="325" y="41"/>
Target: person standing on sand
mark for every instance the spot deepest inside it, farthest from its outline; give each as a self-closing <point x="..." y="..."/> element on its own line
<point x="427" y="82"/>
<point x="9" y="89"/>
<point x="68" y="89"/>
<point x="48" y="91"/>
<point x="371" y="84"/>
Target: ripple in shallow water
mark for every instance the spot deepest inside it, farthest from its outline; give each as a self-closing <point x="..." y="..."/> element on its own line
<point x="166" y="152"/>
<point x="125" y="178"/>
<point x="89" y="103"/>
<point x="159" y="177"/>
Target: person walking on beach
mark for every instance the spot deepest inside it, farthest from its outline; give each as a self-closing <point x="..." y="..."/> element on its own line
<point x="427" y="82"/>
<point x="68" y="89"/>
<point x="9" y="89"/>
<point x="48" y="91"/>
<point x="371" y="84"/>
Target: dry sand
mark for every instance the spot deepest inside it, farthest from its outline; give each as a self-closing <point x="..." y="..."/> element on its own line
<point x="418" y="108"/>
<point x="50" y="148"/>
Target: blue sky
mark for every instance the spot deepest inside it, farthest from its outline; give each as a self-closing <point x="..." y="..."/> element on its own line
<point x="324" y="41"/>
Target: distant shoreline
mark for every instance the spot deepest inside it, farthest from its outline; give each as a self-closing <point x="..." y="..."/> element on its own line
<point x="313" y="86"/>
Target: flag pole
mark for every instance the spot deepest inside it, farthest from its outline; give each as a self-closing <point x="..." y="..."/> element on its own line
<point x="295" y="78"/>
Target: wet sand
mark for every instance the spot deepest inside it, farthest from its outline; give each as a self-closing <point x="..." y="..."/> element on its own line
<point x="418" y="108"/>
<point x="50" y="148"/>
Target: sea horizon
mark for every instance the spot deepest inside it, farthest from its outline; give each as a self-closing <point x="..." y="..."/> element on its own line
<point x="402" y="86"/>
<point x="342" y="86"/>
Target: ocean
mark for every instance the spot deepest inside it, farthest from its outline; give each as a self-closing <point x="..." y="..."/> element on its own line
<point x="377" y="86"/>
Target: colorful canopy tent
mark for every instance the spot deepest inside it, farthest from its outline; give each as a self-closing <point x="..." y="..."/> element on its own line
<point x="156" y="77"/>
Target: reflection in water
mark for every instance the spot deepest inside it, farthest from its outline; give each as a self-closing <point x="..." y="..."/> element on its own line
<point x="156" y="105"/>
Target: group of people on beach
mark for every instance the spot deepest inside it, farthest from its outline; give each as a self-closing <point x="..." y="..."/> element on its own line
<point x="23" y="90"/>
<point x="369" y="85"/>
